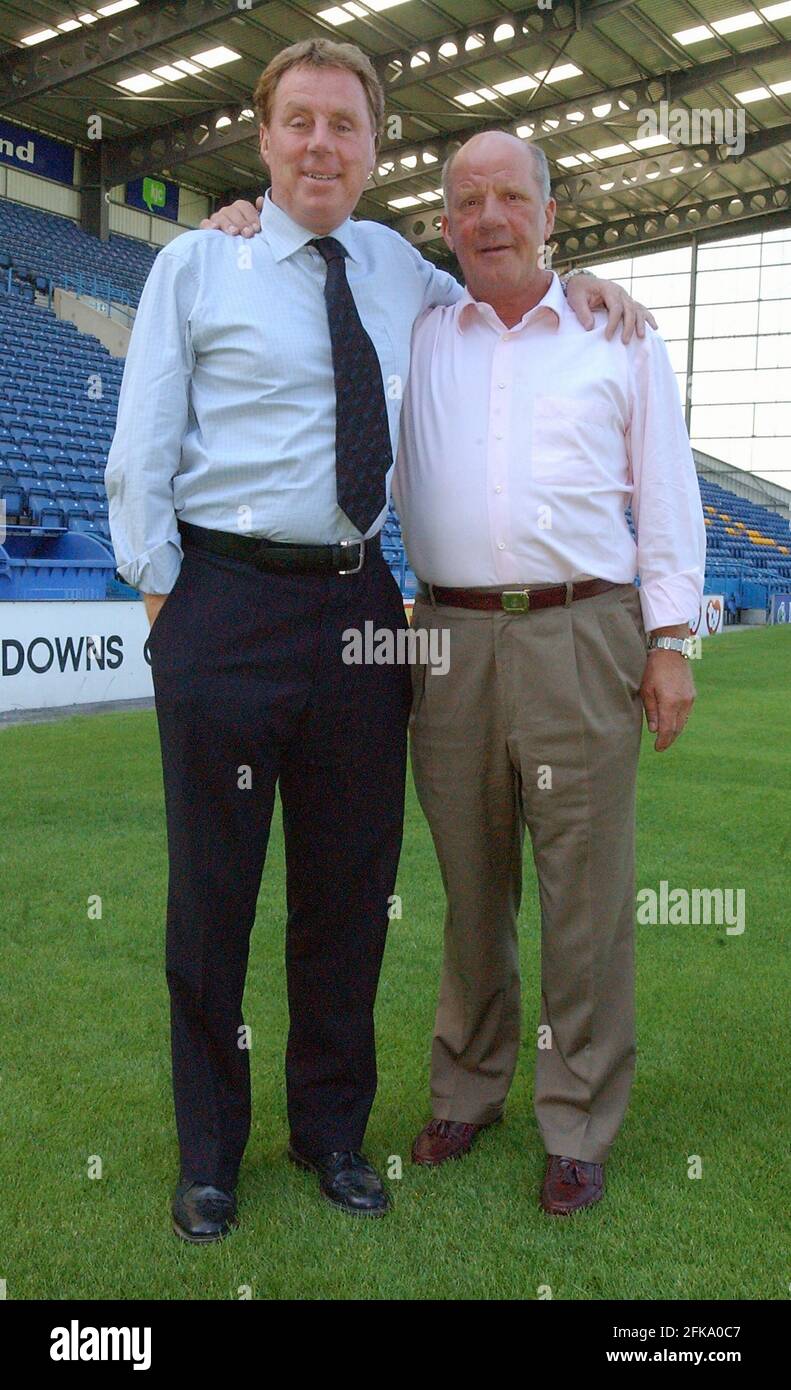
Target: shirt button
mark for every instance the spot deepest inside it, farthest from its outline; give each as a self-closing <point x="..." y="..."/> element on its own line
<point x="501" y="545"/>
<point x="498" y="488"/>
<point x="501" y="385"/>
<point x="498" y="436"/>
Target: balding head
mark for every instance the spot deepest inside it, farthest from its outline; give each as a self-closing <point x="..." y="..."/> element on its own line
<point x="491" y="143"/>
<point x="498" y="217"/>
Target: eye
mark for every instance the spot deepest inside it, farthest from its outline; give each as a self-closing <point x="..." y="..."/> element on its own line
<point x="344" y="127"/>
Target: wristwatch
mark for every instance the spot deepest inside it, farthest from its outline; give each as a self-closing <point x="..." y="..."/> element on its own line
<point x="671" y="644"/>
<point x="566" y="276"/>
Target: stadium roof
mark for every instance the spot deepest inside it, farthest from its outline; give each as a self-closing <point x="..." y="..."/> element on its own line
<point x="172" y="81"/>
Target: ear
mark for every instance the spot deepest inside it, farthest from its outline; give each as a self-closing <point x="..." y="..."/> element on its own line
<point x="263" y="142"/>
<point x="549" y="216"/>
<point x="445" y="229"/>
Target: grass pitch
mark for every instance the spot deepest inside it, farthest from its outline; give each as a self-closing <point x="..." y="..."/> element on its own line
<point x="84" y="1072"/>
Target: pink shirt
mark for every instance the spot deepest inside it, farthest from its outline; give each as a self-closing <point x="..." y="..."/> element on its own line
<point x="521" y="448"/>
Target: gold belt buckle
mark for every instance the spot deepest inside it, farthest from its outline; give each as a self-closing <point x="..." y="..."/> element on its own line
<point x="515" y="600"/>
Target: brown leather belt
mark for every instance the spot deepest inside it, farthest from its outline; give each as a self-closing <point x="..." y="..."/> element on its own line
<point x="521" y="600"/>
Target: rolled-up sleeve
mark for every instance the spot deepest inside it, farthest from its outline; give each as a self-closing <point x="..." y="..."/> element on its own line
<point x="153" y="409"/>
<point x="666" y="505"/>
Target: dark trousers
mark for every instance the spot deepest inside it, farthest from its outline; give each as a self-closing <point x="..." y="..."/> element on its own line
<point x="251" y="689"/>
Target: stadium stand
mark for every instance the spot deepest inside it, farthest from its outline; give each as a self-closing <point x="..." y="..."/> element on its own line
<point x="58" y="403"/>
<point x="395" y="555"/>
<point x="747" y="550"/>
<point x="41" y="246"/>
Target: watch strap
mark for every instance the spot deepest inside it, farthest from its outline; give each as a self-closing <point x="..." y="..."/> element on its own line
<point x="670" y="644"/>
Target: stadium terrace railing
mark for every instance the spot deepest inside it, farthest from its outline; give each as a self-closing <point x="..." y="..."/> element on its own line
<point x="109" y="299"/>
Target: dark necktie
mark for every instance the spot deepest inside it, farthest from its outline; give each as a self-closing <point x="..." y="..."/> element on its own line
<point x="362" y="434"/>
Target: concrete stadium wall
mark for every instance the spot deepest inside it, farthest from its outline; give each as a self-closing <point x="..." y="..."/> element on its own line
<point x="73" y="310"/>
<point x="39" y="193"/>
<point x="49" y="196"/>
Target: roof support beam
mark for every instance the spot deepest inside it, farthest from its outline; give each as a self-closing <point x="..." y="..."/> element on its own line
<point x="607" y="179"/>
<point x="753" y="225"/>
<point x="159" y="147"/>
<point x="530" y="26"/>
<point x="607" y="239"/>
<point x="28" y="72"/>
<point x="548" y="122"/>
<point x="94" y="207"/>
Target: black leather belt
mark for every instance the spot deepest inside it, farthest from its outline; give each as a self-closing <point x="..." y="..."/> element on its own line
<point x="282" y="557"/>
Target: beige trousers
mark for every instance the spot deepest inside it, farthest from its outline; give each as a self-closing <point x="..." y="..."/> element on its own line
<point x="537" y="722"/>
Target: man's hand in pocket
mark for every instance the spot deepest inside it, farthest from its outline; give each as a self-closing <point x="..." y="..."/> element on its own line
<point x="153" y="604"/>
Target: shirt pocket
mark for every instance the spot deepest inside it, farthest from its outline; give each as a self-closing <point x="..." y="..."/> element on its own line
<point x="572" y="439"/>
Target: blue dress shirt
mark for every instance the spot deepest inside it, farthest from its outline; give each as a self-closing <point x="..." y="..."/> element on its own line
<point x="226" y="416"/>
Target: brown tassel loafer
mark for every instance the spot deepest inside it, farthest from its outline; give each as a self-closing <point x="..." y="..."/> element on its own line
<point x="570" y="1185"/>
<point x="442" y="1140"/>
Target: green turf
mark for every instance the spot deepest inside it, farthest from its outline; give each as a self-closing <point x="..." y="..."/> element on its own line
<point x="85" y="1065"/>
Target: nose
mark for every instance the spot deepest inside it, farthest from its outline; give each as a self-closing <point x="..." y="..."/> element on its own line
<point x="491" y="212"/>
<point x="321" y="136"/>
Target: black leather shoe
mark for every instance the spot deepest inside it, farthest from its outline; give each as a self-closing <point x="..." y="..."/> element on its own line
<point x="348" y="1181"/>
<point x="202" y="1213"/>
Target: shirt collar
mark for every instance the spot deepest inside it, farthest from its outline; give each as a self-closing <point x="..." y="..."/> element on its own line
<point x="285" y="236"/>
<point x="550" y="308"/>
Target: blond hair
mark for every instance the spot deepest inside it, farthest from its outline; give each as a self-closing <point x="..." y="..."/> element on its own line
<point x="321" y="53"/>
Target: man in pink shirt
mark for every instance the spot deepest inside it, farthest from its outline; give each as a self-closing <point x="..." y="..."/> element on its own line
<point x="523" y="439"/>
